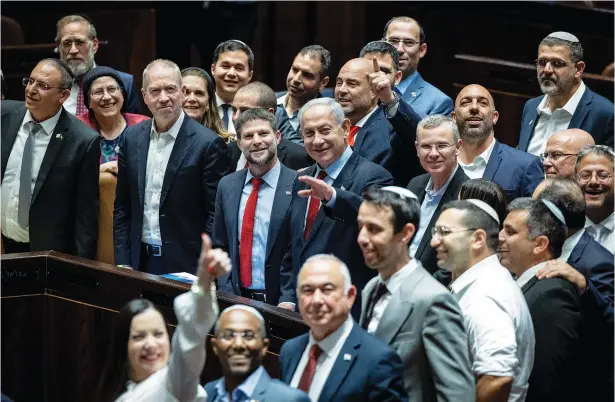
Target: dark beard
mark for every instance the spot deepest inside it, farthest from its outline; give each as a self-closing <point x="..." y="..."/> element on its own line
<point x="473" y="135"/>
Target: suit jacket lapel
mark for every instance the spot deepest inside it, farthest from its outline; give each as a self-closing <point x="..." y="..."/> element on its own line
<point x="494" y="162"/>
<point x="364" y="131"/>
<point x="260" y="390"/>
<point x="529" y="284"/>
<point x="142" y="150"/>
<point x="183" y="143"/>
<point x="582" y="110"/>
<point x="577" y="251"/>
<point x="9" y="134"/>
<point x="55" y="143"/>
<point x="528" y="129"/>
<point x="304" y="202"/>
<point x="234" y="201"/>
<point x="281" y="202"/>
<point x="343" y="364"/>
<point x="416" y="87"/>
<point x="293" y="359"/>
<point x="365" y="294"/>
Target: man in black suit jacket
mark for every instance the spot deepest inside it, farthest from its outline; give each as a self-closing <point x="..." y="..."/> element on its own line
<point x="256" y="249"/>
<point x="336" y="181"/>
<point x="253" y="95"/>
<point x="60" y="198"/>
<point x="437" y="147"/>
<point x="533" y="233"/>
<point x="169" y="169"/>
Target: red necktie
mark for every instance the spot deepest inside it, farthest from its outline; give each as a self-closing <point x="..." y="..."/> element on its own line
<point x="247" y="235"/>
<point x="81" y="109"/>
<point x="247" y="165"/>
<point x="310" y="369"/>
<point x="313" y="207"/>
<point x="352" y="134"/>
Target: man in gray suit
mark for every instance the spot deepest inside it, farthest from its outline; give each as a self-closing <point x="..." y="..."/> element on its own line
<point x="406" y="307"/>
<point x="241" y="343"/>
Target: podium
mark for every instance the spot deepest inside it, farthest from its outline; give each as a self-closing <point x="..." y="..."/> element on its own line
<point x="58" y="315"/>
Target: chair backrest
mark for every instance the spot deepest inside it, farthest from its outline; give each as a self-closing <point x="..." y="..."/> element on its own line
<point x="12" y="33"/>
<point x="107" y="183"/>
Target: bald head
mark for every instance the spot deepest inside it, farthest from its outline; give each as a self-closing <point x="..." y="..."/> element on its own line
<point x="352" y="89"/>
<point x="474" y="90"/>
<point x="475" y="114"/>
<point x="562" y="149"/>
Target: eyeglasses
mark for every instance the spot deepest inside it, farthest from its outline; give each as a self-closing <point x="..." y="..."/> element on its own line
<point x="443" y="232"/>
<point x="426" y="148"/>
<point x="100" y="92"/>
<point x="229" y="335"/>
<point x="555" y="63"/>
<point x="602" y="176"/>
<point x="406" y="42"/>
<point x="27" y="81"/>
<point x="67" y="44"/>
<point x="554" y="156"/>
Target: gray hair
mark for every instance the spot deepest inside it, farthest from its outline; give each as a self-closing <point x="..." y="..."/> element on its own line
<point x="334" y="107"/>
<point x="331" y="258"/>
<point x="598" y="150"/>
<point x="163" y="63"/>
<point x="254" y="114"/>
<point x="435" y="121"/>
<point x="74" y="18"/>
<point x="251" y="310"/>
<point x="575" y="48"/>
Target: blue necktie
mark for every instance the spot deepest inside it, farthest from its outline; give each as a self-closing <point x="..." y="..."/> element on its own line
<point x="225" y="115"/>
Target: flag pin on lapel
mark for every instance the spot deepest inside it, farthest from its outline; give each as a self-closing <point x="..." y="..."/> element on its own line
<point x="347" y="357"/>
<point x="59" y="135"/>
<point x="288" y="193"/>
<point x="342" y="188"/>
<point x="531" y="121"/>
<point x="413" y="94"/>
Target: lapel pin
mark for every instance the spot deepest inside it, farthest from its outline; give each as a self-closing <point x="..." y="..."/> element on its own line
<point x="413" y="94"/>
<point x="347" y="357"/>
<point x="531" y="121"/>
<point x="59" y="135"/>
<point x="342" y="187"/>
<point x="288" y="193"/>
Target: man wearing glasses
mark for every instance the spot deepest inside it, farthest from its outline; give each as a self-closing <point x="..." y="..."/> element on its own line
<point x="49" y="169"/>
<point x="437" y="146"/>
<point x="77" y="45"/>
<point x="408" y="37"/>
<point x="567" y="102"/>
<point x="561" y="152"/>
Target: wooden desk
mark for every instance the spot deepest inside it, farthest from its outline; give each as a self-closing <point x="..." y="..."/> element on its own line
<point x="58" y="314"/>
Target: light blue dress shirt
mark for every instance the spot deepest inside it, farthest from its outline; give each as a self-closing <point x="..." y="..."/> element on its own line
<point x="333" y="170"/>
<point x="242" y="393"/>
<point x="428" y="208"/>
<point x="405" y="83"/>
<point x="264" y="205"/>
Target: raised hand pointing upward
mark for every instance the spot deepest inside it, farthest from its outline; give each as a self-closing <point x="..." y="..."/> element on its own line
<point x="380" y="84"/>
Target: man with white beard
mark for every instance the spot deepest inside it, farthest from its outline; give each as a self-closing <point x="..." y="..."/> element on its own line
<point x="567" y="102"/>
<point x="77" y="44"/>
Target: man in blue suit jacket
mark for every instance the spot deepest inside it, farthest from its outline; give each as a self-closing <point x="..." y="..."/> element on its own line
<point x="482" y="156"/>
<point x="77" y="45"/>
<point x="343" y="175"/>
<point x="270" y="233"/>
<point x="408" y="37"/>
<point x="567" y="102"/>
<point x="168" y="171"/>
<point x="337" y="361"/>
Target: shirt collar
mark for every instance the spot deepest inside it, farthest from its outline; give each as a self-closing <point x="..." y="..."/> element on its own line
<point x="48" y="125"/>
<point x="482" y="158"/>
<point x="328" y="345"/>
<point x="271" y="177"/>
<point x="570" y="244"/>
<point x="406" y="82"/>
<point x="219" y="101"/>
<point x="569" y="107"/>
<point x="529" y="274"/>
<point x="174" y="130"/>
<point x="282" y="99"/>
<point x="439" y="193"/>
<point x="608" y="222"/>
<point x="361" y="122"/>
<point x="247" y="386"/>
<point x="394" y="282"/>
<point x="334" y="169"/>
<point x="474" y="272"/>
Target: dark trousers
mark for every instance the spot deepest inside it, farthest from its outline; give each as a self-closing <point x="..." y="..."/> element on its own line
<point x="12" y="246"/>
<point x="150" y="263"/>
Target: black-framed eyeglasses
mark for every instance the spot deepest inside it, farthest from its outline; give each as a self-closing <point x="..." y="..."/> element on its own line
<point x="555" y="63"/>
<point x="39" y="84"/>
<point x="443" y="232"/>
<point x="554" y="156"/>
<point x="230" y="335"/>
<point x="602" y="176"/>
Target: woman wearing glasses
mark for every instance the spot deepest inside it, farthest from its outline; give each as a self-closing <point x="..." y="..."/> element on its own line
<point x="104" y="97"/>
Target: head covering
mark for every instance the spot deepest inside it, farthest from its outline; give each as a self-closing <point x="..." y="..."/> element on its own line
<point x="97" y="72"/>
<point x="404" y="192"/>
<point x="488" y="209"/>
<point x="555" y="211"/>
<point x="564" y="36"/>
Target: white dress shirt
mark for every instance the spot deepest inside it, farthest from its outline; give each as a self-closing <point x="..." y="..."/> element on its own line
<point x="570" y="244"/>
<point x="158" y="154"/>
<point x="241" y="163"/>
<point x="476" y="168"/>
<point x="550" y="122"/>
<point x="393" y="284"/>
<point x="179" y="380"/>
<point x="603" y="232"/>
<point x="229" y="112"/>
<point x="498" y="322"/>
<point x="529" y="274"/>
<point x="12" y="174"/>
<point x="331" y="347"/>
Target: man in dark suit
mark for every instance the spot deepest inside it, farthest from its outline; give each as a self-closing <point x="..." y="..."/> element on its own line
<point x="77" y="44"/>
<point x="254" y="230"/>
<point x="49" y="169"/>
<point x="533" y="233"/>
<point x="336" y="182"/>
<point x="241" y="359"/>
<point x="258" y="94"/>
<point x="482" y="156"/>
<point x="408" y="37"/>
<point x="370" y="131"/>
<point x="337" y="360"/>
<point x="168" y="171"/>
<point x="308" y="75"/>
<point x="407" y="308"/>
<point x="437" y="147"/>
<point x="567" y="102"/>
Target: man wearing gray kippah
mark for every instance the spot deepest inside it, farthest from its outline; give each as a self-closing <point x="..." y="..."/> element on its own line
<point x="567" y="102"/>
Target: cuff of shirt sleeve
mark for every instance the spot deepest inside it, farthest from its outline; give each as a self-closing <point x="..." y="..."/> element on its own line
<point x="331" y="202"/>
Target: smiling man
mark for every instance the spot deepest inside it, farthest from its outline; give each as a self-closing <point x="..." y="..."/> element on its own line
<point x="240" y="342"/>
